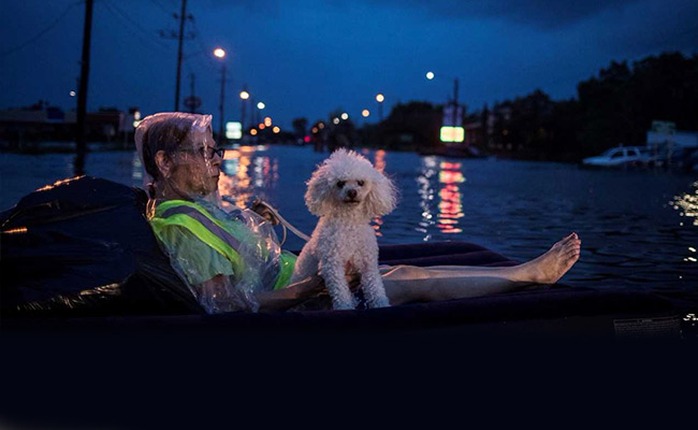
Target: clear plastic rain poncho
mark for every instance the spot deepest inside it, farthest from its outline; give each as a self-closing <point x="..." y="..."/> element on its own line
<point x="257" y="263"/>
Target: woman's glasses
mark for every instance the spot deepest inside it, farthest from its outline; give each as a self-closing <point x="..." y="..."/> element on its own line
<point x="205" y="151"/>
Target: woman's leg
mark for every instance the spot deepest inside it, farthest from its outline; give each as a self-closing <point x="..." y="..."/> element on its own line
<point x="404" y="284"/>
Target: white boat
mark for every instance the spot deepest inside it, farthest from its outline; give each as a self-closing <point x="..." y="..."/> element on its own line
<point x="621" y="156"/>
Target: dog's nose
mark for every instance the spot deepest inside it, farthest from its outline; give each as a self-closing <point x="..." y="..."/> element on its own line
<point x="351" y="194"/>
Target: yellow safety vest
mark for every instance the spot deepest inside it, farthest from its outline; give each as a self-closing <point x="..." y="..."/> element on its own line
<point x="225" y="239"/>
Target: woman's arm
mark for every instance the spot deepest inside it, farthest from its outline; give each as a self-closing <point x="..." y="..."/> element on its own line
<point x="293" y="294"/>
<point x="219" y="295"/>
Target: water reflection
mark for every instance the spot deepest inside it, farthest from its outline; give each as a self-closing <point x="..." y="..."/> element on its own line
<point x="137" y="171"/>
<point x="379" y="164"/>
<point x="426" y="195"/>
<point x="450" y="206"/>
<point x="244" y="172"/>
<point x="639" y="231"/>
<point x="687" y="205"/>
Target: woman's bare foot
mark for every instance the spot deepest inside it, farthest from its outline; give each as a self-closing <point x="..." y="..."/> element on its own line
<point x="551" y="266"/>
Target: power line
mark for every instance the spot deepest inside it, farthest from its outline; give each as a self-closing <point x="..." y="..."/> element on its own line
<point x="147" y="35"/>
<point x="160" y="5"/>
<point x="41" y="33"/>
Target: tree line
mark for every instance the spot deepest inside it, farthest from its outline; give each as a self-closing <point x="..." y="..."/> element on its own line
<point x="616" y="107"/>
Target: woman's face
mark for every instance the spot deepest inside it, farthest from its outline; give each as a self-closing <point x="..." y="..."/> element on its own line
<point x="197" y="165"/>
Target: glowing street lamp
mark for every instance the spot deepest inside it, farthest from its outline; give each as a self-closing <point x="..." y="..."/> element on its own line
<point x="220" y="54"/>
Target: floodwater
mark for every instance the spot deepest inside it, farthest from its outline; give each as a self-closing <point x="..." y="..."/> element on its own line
<point x="639" y="229"/>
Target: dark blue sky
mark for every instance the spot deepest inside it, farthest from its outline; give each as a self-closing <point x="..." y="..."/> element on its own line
<point x="307" y="58"/>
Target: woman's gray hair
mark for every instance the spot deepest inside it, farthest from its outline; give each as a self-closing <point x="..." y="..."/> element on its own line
<point x="165" y="131"/>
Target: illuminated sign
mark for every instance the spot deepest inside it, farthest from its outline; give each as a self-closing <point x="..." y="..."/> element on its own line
<point x="452" y="134"/>
<point x="233" y="130"/>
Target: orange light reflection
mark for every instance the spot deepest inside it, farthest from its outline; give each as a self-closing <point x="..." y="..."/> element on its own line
<point x="244" y="171"/>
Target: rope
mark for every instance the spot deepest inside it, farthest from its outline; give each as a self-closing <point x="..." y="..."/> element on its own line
<point x="285" y="224"/>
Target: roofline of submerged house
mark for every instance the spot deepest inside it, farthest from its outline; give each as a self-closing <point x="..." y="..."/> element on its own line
<point x="49" y="123"/>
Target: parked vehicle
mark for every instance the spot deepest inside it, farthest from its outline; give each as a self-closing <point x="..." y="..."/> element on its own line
<point x="621" y="156"/>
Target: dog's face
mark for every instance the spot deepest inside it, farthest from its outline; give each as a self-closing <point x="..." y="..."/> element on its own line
<point x="347" y="183"/>
<point x="351" y="191"/>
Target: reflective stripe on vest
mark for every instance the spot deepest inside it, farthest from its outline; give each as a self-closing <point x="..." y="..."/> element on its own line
<point x="195" y="219"/>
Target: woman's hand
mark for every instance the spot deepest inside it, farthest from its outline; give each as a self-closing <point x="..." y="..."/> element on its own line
<point x="293" y="294"/>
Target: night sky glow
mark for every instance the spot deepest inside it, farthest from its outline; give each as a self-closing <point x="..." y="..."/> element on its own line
<point x="308" y="58"/>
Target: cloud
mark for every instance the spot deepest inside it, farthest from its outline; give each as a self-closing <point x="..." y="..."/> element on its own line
<point x="541" y="14"/>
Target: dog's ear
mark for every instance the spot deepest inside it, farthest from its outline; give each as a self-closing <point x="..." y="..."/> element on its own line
<point x="382" y="198"/>
<point x="317" y="196"/>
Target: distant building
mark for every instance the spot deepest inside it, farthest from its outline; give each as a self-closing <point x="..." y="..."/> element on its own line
<point x="670" y="147"/>
<point x="43" y="123"/>
<point x="683" y="139"/>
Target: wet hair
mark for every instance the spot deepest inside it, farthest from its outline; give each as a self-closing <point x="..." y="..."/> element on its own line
<point x="163" y="133"/>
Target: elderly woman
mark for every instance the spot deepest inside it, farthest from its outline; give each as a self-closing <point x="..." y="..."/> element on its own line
<point x="231" y="260"/>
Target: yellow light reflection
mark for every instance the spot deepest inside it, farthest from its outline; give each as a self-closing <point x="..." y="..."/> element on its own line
<point x="378" y="164"/>
<point x="57" y="183"/>
<point x="244" y="171"/>
<point x="18" y="230"/>
<point x="687" y="206"/>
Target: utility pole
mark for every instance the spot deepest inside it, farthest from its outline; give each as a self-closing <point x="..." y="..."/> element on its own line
<point x="80" y="144"/>
<point x="222" y="106"/>
<point x="182" y="17"/>
<point x="455" y="103"/>
<point x="192" y="106"/>
<point x="244" y="95"/>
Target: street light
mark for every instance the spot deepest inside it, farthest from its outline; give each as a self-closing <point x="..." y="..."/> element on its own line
<point x="220" y="53"/>
<point x="380" y="98"/>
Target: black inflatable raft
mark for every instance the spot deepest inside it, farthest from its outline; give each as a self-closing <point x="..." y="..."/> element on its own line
<point x="79" y="255"/>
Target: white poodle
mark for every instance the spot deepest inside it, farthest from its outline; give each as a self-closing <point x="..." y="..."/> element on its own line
<point x="346" y="192"/>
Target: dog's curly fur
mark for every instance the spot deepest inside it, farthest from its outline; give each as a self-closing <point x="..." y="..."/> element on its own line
<point x="346" y="192"/>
